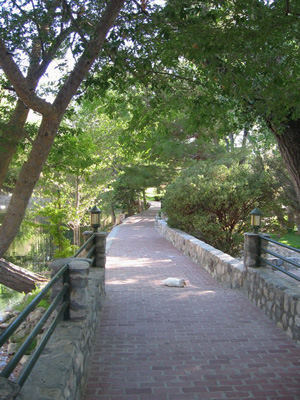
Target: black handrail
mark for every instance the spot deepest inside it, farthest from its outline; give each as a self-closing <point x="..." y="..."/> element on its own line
<point x="90" y="239"/>
<point x="35" y="356"/>
<point x="264" y="250"/>
<point x="62" y="299"/>
<point x="22" y="350"/>
<point x="31" y="306"/>
<point x="91" y="252"/>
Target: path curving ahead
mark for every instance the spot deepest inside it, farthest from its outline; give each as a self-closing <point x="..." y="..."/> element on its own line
<point x="204" y="341"/>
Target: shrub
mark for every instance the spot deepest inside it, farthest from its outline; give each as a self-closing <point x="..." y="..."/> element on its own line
<point x="212" y="201"/>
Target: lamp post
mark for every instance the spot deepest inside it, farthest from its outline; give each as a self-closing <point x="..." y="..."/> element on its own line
<point x="252" y="244"/>
<point x="99" y="242"/>
<point x="95" y="218"/>
<point x="256" y="215"/>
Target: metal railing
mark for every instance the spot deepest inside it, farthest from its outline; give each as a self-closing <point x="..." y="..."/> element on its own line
<point x="62" y="299"/>
<point x="279" y="256"/>
<point x="91" y="252"/>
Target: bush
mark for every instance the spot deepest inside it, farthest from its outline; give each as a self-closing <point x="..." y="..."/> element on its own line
<point x="212" y="201"/>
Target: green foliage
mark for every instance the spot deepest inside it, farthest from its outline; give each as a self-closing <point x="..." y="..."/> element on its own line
<point x="54" y="214"/>
<point x="212" y="201"/>
<point x="31" y="347"/>
<point x="45" y="303"/>
<point x="235" y="45"/>
<point x="31" y="296"/>
<point x="6" y="102"/>
<point x="8" y="297"/>
<point x="126" y="194"/>
<point x="20" y="341"/>
<point x="134" y="181"/>
<point x="155" y="194"/>
<point x="171" y="86"/>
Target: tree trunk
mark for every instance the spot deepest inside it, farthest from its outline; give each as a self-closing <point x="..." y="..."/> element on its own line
<point x="19" y="279"/>
<point x="11" y="136"/>
<point x="245" y="137"/>
<point x="76" y="232"/>
<point x="289" y="147"/>
<point x="38" y="64"/>
<point x="144" y="199"/>
<point x="27" y="180"/>
<point x="130" y="207"/>
<point x="52" y="115"/>
<point x="112" y="207"/>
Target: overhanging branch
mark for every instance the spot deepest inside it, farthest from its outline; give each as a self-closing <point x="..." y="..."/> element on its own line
<point x="85" y="62"/>
<point x="20" y="84"/>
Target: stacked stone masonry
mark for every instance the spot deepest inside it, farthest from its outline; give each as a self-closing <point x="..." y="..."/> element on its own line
<point x="277" y="295"/>
<point x="61" y="370"/>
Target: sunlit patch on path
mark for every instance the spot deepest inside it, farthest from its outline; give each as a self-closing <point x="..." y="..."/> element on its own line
<point x="202" y="341"/>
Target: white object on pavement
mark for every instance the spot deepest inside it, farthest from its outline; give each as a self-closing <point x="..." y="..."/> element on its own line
<point x="174" y="282"/>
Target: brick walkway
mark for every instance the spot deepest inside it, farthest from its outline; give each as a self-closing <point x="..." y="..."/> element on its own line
<point x="200" y="342"/>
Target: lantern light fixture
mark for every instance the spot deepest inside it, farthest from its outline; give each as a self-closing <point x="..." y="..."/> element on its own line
<point x="95" y="218"/>
<point x="256" y="215"/>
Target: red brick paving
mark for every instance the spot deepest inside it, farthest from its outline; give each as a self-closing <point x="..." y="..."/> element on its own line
<point x="201" y="342"/>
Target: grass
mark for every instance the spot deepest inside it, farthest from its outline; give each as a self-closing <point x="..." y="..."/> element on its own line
<point x="291" y="239"/>
<point x="20" y="341"/>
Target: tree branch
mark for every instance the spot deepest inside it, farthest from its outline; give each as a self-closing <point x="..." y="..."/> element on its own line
<point x="85" y="62"/>
<point x="141" y="6"/>
<point x="287" y="9"/>
<point x="21" y="86"/>
<point x="10" y="88"/>
<point x="74" y="22"/>
<point x="48" y="57"/>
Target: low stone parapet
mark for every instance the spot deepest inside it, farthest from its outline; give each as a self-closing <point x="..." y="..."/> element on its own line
<point x="221" y="266"/>
<point x="277" y="295"/>
<point x="60" y="372"/>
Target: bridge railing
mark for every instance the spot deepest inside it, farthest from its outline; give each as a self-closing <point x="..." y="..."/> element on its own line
<point x="273" y="262"/>
<point x="62" y="298"/>
<point x="256" y="254"/>
<point x="63" y="287"/>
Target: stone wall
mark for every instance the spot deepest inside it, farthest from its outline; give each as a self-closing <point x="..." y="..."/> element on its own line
<point x="60" y="372"/>
<point x="221" y="266"/>
<point x="276" y="294"/>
